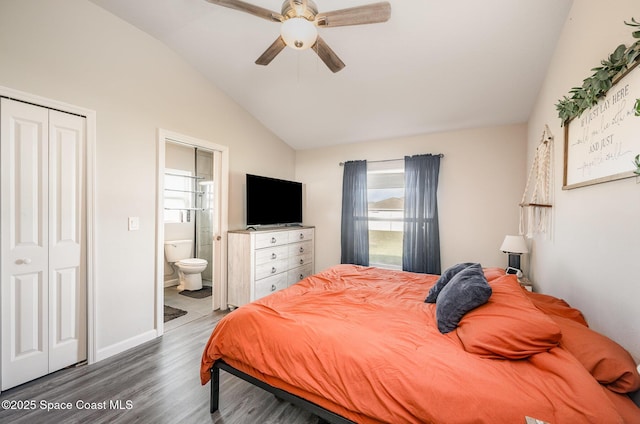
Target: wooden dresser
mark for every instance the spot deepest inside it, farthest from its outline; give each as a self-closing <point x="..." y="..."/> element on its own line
<point x="267" y="260"/>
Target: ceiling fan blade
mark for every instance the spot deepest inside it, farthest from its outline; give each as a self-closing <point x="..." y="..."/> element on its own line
<point x="271" y="52"/>
<point x="328" y="56"/>
<point x="242" y="6"/>
<point x="359" y="15"/>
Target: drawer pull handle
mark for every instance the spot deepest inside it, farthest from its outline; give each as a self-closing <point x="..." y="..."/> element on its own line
<point x="273" y="270"/>
<point x="25" y="261"/>
<point x="301" y="250"/>
<point x="273" y="256"/>
<point x="301" y="236"/>
<point x="301" y="261"/>
<point x="301" y="276"/>
<point x="273" y="240"/>
<point x="273" y="287"/>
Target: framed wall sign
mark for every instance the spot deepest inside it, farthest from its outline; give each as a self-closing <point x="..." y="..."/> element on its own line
<point x="601" y="143"/>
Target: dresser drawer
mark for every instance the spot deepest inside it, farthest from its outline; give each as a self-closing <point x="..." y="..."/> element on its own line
<point x="271" y="254"/>
<point x="306" y="247"/>
<point x="296" y="261"/>
<point x="271" y="268"/>
<point x="270" y="285"/>
<point x="271" y="239"/>
<point x="300" y="273"/>
<point x="300" y="235"/>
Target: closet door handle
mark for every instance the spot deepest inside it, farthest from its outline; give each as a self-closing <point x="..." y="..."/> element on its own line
<point x="25" y="261"/>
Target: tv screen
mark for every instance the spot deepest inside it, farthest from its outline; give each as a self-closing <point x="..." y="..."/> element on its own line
<point x="272" y="201"/>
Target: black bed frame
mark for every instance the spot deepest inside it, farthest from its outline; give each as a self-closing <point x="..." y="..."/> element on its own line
<point x="325" y="415"/>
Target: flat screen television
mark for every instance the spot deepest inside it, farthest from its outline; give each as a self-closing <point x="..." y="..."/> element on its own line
<point x="271" y="201"/>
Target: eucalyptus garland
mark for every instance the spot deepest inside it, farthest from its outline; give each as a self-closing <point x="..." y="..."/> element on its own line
<point x="597" y="85"/>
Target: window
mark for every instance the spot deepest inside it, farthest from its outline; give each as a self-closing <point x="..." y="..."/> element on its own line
<point x="178" y="195"/>
<point x="385" y="197"/>
<point x="401" y="227"/>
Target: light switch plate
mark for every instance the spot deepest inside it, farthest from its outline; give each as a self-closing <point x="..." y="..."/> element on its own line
<point x="134" y="223"/>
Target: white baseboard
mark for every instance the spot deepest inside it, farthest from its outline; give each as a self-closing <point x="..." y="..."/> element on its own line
<point x="171" y="283"/>
<point x="120" y="347"/>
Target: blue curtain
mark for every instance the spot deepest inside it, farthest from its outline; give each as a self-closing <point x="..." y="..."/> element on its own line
<point x="355" y="220"/>
<point x="421" y="242"/>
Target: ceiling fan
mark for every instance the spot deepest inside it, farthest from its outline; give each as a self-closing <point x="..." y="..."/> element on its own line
<point x="300" y="19"/>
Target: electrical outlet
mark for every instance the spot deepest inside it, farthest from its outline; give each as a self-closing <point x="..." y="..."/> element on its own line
<point x="134" y="223"/>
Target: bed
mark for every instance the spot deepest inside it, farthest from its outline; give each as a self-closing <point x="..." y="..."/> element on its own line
<point x="359" y="344"/>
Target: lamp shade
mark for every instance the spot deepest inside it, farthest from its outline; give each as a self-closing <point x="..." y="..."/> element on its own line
<point x="299" y="33"/>
<point x="514" y="244"/>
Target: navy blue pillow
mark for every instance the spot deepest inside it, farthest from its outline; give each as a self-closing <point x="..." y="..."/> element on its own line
<point x="467" y="290"/>
<point x="446" y="276"/>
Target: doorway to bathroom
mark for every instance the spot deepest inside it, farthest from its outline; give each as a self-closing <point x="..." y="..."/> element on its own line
<point x="192" y="219"/>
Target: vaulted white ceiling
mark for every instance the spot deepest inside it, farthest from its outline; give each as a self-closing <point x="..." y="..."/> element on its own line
<point x="434" y="66"/>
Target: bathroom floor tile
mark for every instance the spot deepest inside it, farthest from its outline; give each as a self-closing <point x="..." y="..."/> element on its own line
<point x="196" y="308"/>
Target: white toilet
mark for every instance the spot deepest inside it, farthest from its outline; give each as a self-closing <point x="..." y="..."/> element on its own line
<point x="178" y="253"/>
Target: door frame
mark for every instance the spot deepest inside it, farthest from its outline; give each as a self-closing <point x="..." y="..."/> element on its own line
<point x="90" y="186"/>
<point x="166" y="136"/>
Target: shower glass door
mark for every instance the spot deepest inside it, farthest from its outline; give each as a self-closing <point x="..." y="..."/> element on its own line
<point x="207" y="218"/>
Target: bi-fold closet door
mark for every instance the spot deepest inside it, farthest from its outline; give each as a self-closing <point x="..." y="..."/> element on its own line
<point x="43" y="247"/>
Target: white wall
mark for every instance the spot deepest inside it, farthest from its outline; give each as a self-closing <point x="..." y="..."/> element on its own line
<point x="592" y="258"/>
<point x="75" y="52"/>
<point x="482" y="176"/>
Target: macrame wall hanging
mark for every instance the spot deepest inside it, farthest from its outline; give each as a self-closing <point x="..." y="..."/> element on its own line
<point x="535" y="213"/>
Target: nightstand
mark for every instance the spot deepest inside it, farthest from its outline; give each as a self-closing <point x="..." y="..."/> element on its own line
<point x="525" y="283"/>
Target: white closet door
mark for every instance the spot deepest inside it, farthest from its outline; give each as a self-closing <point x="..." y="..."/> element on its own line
<point x="24" y="153"/>
<point x="67" y="276"/>
<point x="43" y="271"/>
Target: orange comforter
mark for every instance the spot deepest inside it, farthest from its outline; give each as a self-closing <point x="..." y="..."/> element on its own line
<point x="362" y="343"/>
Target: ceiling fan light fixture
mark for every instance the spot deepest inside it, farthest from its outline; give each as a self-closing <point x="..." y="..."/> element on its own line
<point x="299" y="33"/>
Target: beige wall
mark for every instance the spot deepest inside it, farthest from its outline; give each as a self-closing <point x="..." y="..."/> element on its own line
<point x="591" y="258"/>
<point x="73" y="51"/>
<point x="482" y="176"/>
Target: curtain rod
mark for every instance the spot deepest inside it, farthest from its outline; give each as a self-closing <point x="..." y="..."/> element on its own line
<point x="390" y="160"/>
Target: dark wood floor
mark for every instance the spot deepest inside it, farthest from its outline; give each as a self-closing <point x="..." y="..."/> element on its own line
<point x="157" y="382"/>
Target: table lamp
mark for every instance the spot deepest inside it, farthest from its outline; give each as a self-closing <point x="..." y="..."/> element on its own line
<point x="514" y="246"/>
